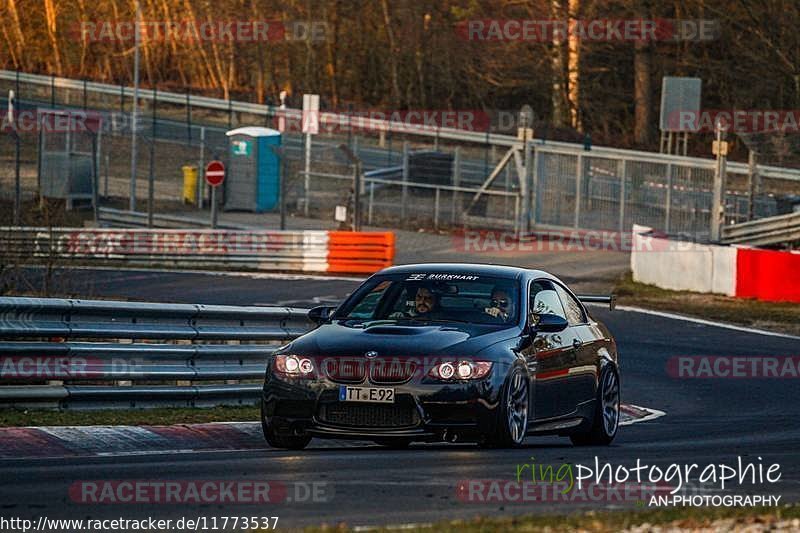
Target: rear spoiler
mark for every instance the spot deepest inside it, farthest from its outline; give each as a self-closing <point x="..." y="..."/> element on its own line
<point x="611" y="299"/>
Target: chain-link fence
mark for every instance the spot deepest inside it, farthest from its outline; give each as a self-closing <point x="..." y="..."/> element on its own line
<point x="414" y="177"/>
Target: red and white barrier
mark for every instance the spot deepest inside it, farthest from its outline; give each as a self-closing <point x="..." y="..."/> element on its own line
<point x="305" y="251"/>
<point x="737" y="271"/>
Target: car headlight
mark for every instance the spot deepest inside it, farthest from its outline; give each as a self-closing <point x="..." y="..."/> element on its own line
<point x="461" y="370"/>
<point x="294" y="366"/>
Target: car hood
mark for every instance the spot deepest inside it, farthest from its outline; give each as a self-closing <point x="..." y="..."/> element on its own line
<point x="400" y="340"/>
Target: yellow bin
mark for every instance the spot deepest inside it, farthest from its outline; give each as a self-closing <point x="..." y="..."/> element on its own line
<point x="189" y="184"/>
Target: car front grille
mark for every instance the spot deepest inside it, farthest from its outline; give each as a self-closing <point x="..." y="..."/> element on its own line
<point x="368" y="415"/>
<point x="345" y="369"/>
<point x="385" y="372"/>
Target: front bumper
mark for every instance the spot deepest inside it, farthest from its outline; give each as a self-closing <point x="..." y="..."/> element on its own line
<point x="424" y="410"/>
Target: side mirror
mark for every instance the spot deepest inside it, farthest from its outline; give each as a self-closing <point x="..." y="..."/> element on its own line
<point x="320" y="314"/>
<point x="547" y="323"/>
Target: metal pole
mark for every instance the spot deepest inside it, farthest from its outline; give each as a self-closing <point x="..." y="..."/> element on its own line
<point x="151" y="175"/>
<point x="456" y="183"/>
<point x="134" y="155"/>
<point x="95" y="177"/>
<point x="668" y="201"/>
<point x="200" y="167"/>
<point x="371" y="199"/>
<point x="717" y="206"/>
<point x="405" y="180"/>
<point x="752" y="179"/>
<point x="282" y="156"/>
<point x="188" y="117"/>
<point x="105" y="180"/>
<point x="524" y="189"/>
<point x="306" y="174"/>
<point x="578" y="196"/>
<point x="533" y="186"/>
<point x="436" y="210"/>
<point x="40" y="127"/>
<point x="17" y="185"/>
<point x="357" y="196"/>
<point x="623" y="167"/>
<point x="213" y="207"/>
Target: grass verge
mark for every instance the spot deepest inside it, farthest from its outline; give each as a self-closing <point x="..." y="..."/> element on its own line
<point x="131" y="417"/>
<point x="774" y="316"/>
<point x="719" y="519"/>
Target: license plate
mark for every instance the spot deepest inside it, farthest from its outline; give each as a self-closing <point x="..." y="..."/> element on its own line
<point x="366" y="394"/>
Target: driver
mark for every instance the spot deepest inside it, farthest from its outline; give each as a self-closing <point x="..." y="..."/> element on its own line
<point x="426" y="302"/>
<point x="501" y="305"/>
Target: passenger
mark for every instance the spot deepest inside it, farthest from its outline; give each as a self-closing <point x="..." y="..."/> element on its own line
<point x="501" y="305"/>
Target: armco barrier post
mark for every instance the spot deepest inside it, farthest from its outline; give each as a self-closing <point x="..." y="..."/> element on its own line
<point x="405" y="180"/>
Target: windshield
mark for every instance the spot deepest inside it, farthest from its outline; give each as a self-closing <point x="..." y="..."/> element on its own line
<point x="435" y="298"/>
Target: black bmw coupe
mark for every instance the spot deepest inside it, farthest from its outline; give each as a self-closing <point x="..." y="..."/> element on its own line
<point x="448" y="352"/>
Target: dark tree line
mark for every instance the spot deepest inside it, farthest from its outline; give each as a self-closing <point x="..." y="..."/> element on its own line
<point x="409" y="54"/>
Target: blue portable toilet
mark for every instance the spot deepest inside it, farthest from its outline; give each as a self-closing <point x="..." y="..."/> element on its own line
<point x="253" y="179"/>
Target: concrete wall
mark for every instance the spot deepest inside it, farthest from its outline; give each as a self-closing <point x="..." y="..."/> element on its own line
<point x="683" y="266"/>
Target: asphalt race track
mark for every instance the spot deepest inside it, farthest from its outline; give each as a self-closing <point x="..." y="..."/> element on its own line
<point x="707" y="421"/>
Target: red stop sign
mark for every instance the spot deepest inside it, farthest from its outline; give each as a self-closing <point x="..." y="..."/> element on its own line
<point x="215" y="173"/>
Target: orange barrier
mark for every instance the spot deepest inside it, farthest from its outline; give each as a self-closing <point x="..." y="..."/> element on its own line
<point x="360" y="252"/>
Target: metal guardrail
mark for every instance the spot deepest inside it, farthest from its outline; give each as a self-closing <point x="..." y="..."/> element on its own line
<point x="119" y="218"/>
<point x="99" y="354"/>
<point x="763" y="232"/>
<point x="377" y="125"/>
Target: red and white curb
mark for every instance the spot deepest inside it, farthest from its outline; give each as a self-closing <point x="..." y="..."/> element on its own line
<point x="121" y="441"/>
<point x="633" y="414"/>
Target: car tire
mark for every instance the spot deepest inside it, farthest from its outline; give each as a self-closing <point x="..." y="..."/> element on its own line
<point x="290" y="442"/>
<point x="511" y="423"/>
<point x="393" y="444"/>
<point x="605" y="421"/>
